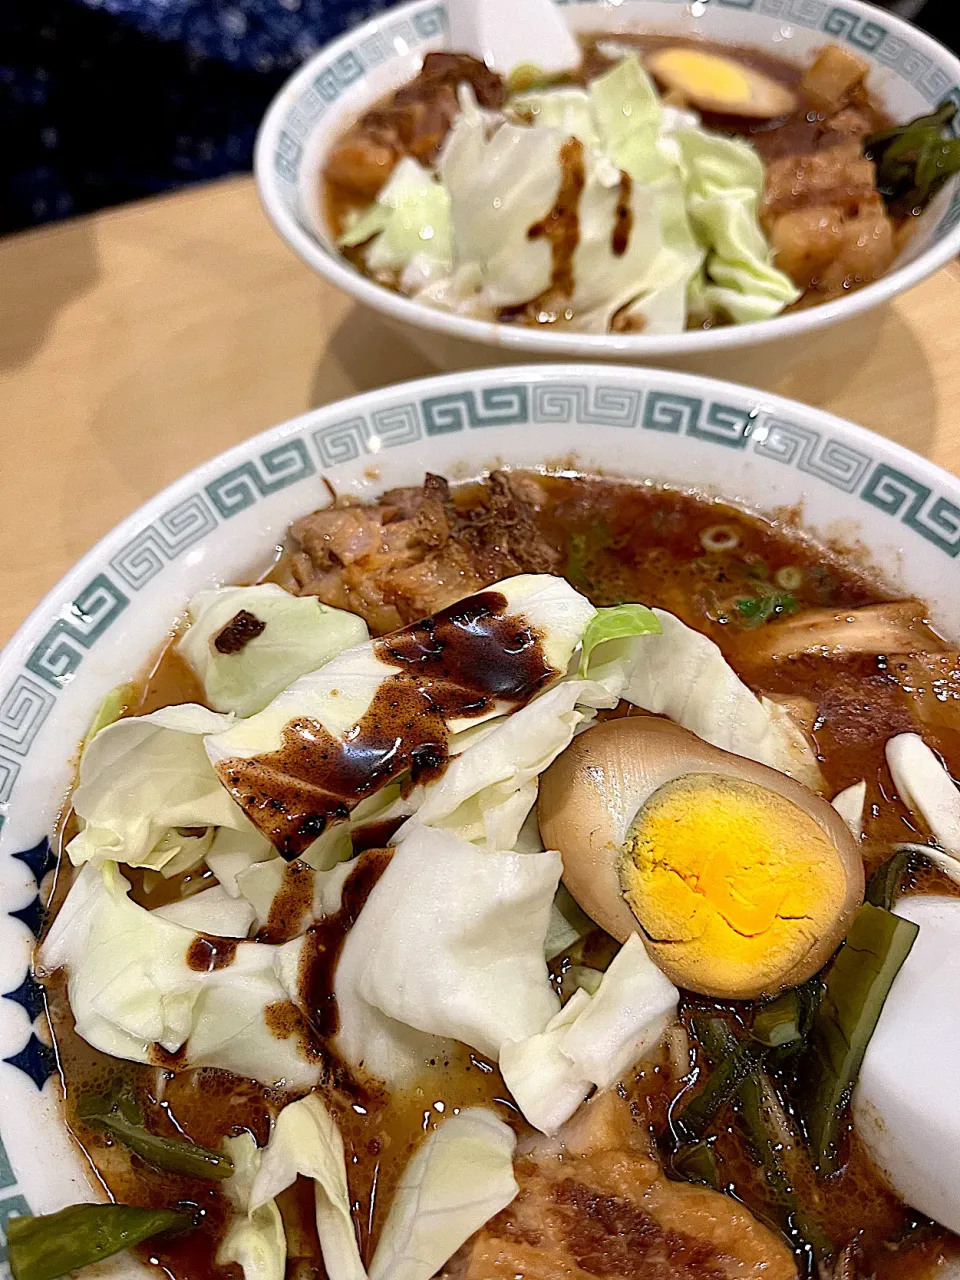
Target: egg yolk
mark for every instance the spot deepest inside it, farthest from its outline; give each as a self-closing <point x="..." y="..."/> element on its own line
<point x="703" y="75"/>
<point x="732" y="883"/>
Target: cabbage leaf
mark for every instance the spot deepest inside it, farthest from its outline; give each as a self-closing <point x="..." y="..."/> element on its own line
<point x="260" y="883"/>
<point x="255" y="1240"/>
<point x="724" y="184"/>
<point x="131" y="988"/>
<point x="458" y="1179"/>
<point x="617" y="623"/>
<point x="212" y="911"/>
<point x="567" y="109"/>
<point x="568" y="923"/>
<point x="487" y="791"/>
<point x="339" y="693"/>
<point x="299" y="635"/>
<point x="621" y="122"/>
<point x="306" y="1142"/>
<point x="449" y="945"/>
<point x="629" y="116"/>
<point x="409" y="224"/>
<point x="499" y="186"/>
<point x="143" y="778"/>
<point x="683" y="675"/>
<point x="454" y="941"/>
<point x="625" y="1019"/>
<point x="594" y="1039"/>
<point x="234" y="851"/>
<point x="544" y="1082"/>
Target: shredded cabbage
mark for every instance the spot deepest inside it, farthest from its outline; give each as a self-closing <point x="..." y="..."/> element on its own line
<point x="299" y="635"/>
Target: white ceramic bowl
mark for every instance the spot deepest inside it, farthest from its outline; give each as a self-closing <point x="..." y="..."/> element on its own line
<point x="112" y="612"/>
<point x="912" y="74"/>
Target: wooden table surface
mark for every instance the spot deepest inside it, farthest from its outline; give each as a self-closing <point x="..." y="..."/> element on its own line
<point x="138" y="342"/>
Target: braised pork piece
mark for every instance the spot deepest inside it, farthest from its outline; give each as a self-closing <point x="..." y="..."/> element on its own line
<point x="619" y="1192"/>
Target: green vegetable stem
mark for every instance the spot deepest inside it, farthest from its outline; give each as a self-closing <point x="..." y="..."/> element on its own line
<point x="784" y="1023"/>
<point x="732" y="1065"/>
<point x="767" y="1128"/>
<point x="57" y="1243"/>
<point x="857" y="984"/>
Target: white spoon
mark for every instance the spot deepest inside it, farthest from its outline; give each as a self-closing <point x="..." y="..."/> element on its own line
<point x="506" y="34"/>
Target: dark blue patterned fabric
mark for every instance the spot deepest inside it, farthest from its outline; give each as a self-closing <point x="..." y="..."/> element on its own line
<point x="103" y="101"/>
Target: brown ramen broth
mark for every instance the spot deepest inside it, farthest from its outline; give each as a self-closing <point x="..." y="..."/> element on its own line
<point x="821" y="213"/>
<point x="615" y="541"/>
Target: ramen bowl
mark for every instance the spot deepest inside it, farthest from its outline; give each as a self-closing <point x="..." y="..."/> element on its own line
<point x="911" y="74"/>
<point x="220" y="523"/>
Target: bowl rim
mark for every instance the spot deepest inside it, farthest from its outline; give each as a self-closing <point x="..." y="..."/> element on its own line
<point x="533" y="342"/>
<point x="704" y="385"/>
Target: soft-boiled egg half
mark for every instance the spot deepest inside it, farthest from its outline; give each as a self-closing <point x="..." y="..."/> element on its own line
<point x="905" y="1105"/>
<point x="742" y="880"/>
<point x="725" y="85"/>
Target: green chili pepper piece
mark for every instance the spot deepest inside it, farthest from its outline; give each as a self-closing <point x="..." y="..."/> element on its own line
<point x="857" y="984"/>
<point x="122" y="1119"/>
<point x="52" y="1245"/>
<point x="914" y="160"/>
<point x="731" y="1069"/>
